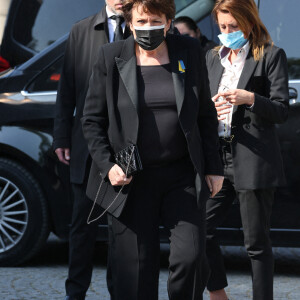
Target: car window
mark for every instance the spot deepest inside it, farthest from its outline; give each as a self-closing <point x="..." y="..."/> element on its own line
<point x="181" y="4"/>
<point x="209" y="28"/>
<point x="195" y="9"/>
<point x="281" y="18"/>
<point x="48" y="79"/>
<point x="40" y="23"/>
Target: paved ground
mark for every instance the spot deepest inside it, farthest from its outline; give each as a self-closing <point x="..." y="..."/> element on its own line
<point x="43" y="277"/>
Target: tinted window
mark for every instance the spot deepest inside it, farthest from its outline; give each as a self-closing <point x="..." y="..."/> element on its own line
<point x="40" y="22"/>
<point x="281" y="18"/>
<point x="209" y="28"/>
<point x="180" y="4"/>
<point x="48" y="79"/>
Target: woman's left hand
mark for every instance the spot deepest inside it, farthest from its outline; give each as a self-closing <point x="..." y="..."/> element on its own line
<point x="238" y="97"/>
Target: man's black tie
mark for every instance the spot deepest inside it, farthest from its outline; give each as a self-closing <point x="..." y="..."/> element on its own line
<point x="119" y="30"/>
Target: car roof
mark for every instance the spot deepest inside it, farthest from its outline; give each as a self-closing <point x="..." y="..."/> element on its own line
<point x="46" y="56"/>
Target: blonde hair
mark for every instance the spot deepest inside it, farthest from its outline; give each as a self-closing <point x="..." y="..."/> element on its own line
<point x="246" y="14"/>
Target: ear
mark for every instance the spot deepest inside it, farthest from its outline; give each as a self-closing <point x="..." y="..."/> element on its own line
<point x="131" y="26"/>
<point x="132" y="29"/>
<point x="168" y="25"/>
<point x="198" y="33"/>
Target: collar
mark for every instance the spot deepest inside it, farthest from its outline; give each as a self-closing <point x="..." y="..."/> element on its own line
<point x="100" y="18"/>
<point x="224" y="51"/>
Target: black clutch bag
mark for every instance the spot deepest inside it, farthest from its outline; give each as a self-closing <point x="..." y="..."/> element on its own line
<point x="128" y="159"/>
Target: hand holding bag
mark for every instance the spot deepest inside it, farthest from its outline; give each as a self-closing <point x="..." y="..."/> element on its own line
<point x="129" y="161"/>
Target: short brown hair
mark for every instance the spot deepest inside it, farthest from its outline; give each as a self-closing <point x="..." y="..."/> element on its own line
<point x="246" y="14"/>
<point x="156" y="7"/>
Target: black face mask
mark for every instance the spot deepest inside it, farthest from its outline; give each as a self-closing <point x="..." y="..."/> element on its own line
<point x="149" y="38"/>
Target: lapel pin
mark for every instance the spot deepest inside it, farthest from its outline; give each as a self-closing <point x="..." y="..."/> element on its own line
<point x="181" y="66"/>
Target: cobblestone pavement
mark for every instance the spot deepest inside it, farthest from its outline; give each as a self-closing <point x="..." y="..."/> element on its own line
<point x="44" y="276"/>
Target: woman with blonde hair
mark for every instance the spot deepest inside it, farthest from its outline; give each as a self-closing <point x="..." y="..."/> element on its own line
<point x="249" y="84"/>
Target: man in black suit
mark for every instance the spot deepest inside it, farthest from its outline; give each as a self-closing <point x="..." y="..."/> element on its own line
<point x="85" y="39"/>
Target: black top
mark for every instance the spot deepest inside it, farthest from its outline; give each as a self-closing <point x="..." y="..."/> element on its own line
<point x="160" y="138"/>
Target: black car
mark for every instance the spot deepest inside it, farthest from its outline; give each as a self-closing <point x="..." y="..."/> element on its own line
<point x="35" y="194"/>
<point x="33" y="25"/>
<point x="34" y="187"/>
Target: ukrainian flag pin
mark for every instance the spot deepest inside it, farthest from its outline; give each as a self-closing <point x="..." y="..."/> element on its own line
<point x="181" y="66"/>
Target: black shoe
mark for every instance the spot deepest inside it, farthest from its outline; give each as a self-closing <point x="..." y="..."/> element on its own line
<point x="70" y="298"/>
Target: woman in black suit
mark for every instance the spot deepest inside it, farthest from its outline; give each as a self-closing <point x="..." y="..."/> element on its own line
<point x="152" y="91"/>
<point x="249" y="83"/>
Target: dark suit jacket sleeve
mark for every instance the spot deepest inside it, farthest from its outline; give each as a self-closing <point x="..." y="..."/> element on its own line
<point x="208" y="123"/>
<point x="66" y="100"/>
<point x="275" y="108"/>
<point x="95" y="118"/>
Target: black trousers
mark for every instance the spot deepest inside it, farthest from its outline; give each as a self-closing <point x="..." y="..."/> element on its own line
<point x="164" y="195"/>
<point x="255" y="210"/>
<point x="82" y="244"/>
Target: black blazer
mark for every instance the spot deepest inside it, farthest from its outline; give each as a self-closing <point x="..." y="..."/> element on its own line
<point x="83" y="44"/>
<point x="111" y="119"/>
<point x="257" y="161"/>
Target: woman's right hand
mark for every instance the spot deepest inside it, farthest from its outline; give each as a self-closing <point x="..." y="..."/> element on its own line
<point x="117" y="176"/>
<point x="222" y="107"/>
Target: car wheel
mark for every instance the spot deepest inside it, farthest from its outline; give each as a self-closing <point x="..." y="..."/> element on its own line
<point x="24" y="222"/>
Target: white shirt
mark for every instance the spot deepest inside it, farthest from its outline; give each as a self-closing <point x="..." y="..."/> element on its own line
<point x="112" y="24"/>
<point x="229" y="80"/>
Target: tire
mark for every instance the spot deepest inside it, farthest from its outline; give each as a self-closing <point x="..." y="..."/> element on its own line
<point x="24" y="221"/>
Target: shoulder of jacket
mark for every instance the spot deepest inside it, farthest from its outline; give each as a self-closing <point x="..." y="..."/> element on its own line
<point x="272" y="52"/>
<point x="272" y="49"/>
<point x="183" y="42"/>
<point x="212" y="55"/>
<point x="113" y="49"/>
<point x="84" y="24"/>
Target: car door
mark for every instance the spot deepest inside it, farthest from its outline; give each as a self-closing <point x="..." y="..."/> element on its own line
<point x="281" y="18"/>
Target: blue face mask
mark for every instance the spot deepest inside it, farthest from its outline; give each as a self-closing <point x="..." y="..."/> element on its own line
<point x="233" y="40"/>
